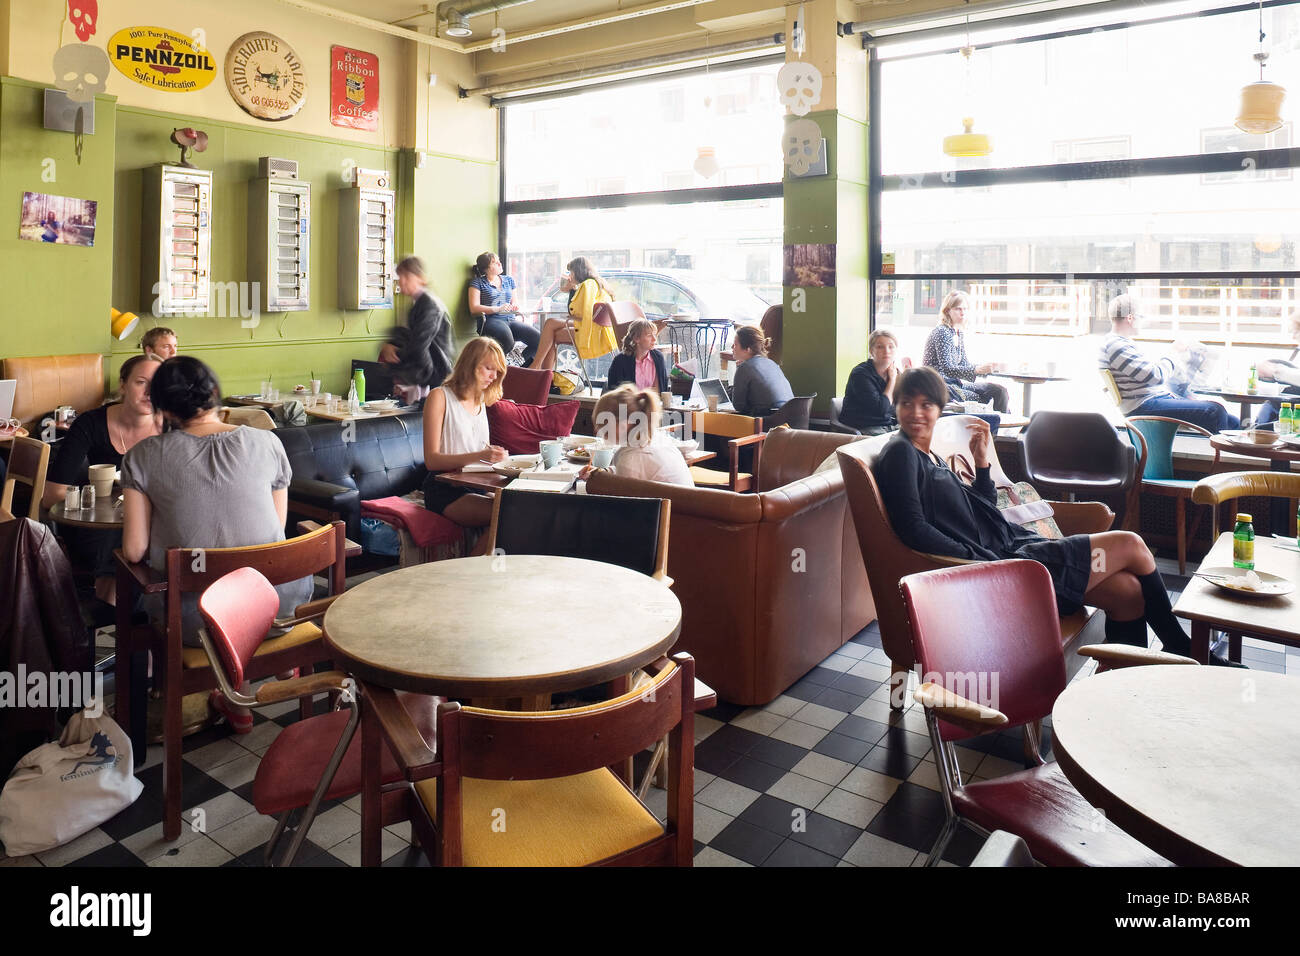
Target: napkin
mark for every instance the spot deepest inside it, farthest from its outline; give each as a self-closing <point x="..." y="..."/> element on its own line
<point x="477" y="466"/>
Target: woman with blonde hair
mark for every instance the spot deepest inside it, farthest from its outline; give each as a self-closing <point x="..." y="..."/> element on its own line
<point x="585" y="288"/>
<point x="759" y="387"/>
<point x="640" y="362"/>
<point x="869" y="395"/>
<point x="456" y="431"/>
<point x="629" y="418"/>
<point x="945" y="352"/>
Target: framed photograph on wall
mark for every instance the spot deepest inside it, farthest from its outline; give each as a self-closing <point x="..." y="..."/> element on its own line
<point x="58" y="219"/>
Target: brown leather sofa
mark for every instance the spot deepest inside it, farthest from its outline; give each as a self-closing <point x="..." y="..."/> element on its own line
<point x="48" y="381"/>
<point x="888" y="559"/>
<point x="770" y="583"/>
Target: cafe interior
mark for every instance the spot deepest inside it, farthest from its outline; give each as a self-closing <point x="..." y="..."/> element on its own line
<point x="883" y="456"/>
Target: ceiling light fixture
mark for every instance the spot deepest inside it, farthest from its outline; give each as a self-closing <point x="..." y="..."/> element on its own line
<point x="458" y="25"/>
<point x="1261" y="102"/>
<point x="967" y="143"/>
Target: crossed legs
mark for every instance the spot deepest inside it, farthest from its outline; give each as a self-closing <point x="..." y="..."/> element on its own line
<point x="553" y="331"/>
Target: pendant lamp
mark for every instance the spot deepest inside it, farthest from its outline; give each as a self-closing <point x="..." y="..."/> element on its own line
<point x="967" y="143"/>
<point x="1261" y="101"/>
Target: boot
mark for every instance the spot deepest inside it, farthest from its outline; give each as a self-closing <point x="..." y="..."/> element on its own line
<point x="1127" y="632"/>
<point x="1159" y="613"/>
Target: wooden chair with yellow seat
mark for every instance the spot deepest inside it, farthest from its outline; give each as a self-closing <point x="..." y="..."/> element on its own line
<point x="28" y="462"/>
<point x="536" y="789"/>
<point x="1110" y="388"/>
<point x="739" y="431"/>
<point x="186" y="670"/>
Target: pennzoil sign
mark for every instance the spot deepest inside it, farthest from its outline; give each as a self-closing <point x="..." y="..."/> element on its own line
<point x="265" y="76"/>
<point x="161" y="59"/>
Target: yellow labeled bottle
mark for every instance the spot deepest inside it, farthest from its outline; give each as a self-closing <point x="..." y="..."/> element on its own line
<point x="1243" y="542"/>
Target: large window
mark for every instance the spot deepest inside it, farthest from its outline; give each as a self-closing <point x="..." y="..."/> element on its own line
<point x="586" y="175"/>
<point x="1116" y="169"/>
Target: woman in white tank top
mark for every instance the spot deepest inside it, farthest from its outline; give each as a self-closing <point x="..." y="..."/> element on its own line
<point x="456" y="431"/>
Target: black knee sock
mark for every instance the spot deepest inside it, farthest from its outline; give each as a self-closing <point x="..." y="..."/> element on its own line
<point x="1160" y="615"/>
<point x="1127" y="632"/>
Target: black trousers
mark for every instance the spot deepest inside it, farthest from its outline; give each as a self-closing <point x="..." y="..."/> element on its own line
<point x="508" y="331"/>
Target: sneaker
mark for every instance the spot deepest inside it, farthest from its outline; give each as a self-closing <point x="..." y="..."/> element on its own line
<point x="240" y="723"/>
<point x="516" y="355"/>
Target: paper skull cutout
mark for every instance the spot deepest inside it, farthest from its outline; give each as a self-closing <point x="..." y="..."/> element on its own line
<point x="802" y="145"/>
<point x="81" y="71"/>
<point x="83" y="14"/>
<point x="801" y="87"/>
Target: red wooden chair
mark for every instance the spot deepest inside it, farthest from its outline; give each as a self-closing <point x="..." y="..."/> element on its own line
<point x="311" y="760"/>
<point x="999" y="619"/>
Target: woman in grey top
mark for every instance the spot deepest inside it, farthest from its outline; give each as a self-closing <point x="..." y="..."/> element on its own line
<point x="760" y="387"/>
<point x="205" y="484"/>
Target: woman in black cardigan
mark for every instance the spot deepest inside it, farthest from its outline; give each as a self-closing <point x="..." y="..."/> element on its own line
<point x="869" y="395"/>
<point x="934" y="512"/>
<point x="640" y="362"/>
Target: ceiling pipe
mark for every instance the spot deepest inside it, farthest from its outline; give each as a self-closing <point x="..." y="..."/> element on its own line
<point x="666" y="59"/>
<point x="456" y="13"/>
<point x="379" y="26"/>
<point x="584" y="24"/>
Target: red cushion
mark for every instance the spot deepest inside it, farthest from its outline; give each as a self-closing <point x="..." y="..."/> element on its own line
<point x="1042" y="807"/>
<point x="519" y="428"/>
<point x="527" y="386"/>
<point x="292" y="766"/>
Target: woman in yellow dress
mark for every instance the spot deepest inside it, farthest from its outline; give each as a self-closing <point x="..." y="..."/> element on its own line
<point x="585" y="288"/>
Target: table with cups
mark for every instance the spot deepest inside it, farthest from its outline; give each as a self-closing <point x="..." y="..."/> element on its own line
<point x="93" y="505"/>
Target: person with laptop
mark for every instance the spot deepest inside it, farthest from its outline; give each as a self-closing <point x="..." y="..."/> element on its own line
<point x="103" y="436"/>
<point x="759" y="387"/>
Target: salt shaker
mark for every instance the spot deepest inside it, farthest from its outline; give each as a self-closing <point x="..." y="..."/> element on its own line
<point x="72" y="501"/>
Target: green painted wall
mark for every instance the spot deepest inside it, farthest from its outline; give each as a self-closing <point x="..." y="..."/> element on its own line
<point x="824" y="341"/>
<point x="56" y="296"/>
<point x="59" y="297"/>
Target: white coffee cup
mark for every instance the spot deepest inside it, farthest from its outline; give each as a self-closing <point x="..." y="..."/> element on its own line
<point x="101" y="476"/>
<point x="551" y="452"/>
<point x="713" y="403"/>
<point x="666" y="398"/>
<point x="602" y="455"/>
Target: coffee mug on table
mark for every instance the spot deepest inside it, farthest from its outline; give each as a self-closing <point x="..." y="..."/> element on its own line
<point x="602" y="455"/>
<point x="666" y="398"/>
<point x="551" y="452"/>
<point x="713" y="403"/>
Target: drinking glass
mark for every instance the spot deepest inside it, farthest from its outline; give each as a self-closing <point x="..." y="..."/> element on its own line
<point x="265" y="393"/>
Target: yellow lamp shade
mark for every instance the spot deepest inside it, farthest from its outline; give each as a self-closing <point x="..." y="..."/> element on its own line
<point x="967" y="143"/>
<point x="122" y="323"/>
<point x="1261" y="107"/>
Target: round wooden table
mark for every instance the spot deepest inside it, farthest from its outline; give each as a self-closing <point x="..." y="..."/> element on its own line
<point x="106" y="515"/>
<point x="1244" y="399"/>
<point x="1198" y="763"/>
<point x="511" y="626"/>
<point x="1279" y="456"/>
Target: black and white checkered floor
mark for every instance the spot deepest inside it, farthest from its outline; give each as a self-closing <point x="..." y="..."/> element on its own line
<point x="825" y="775"/>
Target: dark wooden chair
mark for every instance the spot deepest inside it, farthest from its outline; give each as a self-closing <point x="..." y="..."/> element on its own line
<point x="794" y="413"/>
<point x="536" y="789"/>
<point x="187" y="670"/>
<point x="29" y="459"/>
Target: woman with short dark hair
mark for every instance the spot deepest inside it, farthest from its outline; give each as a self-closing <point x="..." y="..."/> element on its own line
<point x="204" y="484"/>
<point x="934" y="512"/>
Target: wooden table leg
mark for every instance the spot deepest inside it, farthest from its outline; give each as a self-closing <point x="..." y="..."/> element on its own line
<point x="1201" y="642"/>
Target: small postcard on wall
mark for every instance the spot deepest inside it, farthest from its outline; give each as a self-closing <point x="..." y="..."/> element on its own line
<point x="58" y="219"/>
<point x="809" y="265"/>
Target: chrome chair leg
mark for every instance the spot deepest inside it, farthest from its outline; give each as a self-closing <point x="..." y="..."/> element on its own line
<point x="268" y="853"/>
<point x="941" y="842"/>
<point x="327" y="778"/>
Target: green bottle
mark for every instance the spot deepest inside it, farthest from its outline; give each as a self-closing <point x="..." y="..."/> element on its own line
<point x="1286" y="423"/>
<point x="1252" y="380"/>
<point x="359" y="377"/>
<point x="1243" y="542"/>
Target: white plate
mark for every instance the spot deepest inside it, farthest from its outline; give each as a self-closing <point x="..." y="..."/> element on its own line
<point x="1292" y="439"/>
<point x="575" y="441"/>
<point x="1271" y="585"/>
<point x="380" y="405"/>
<point x="513" y="465"/>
